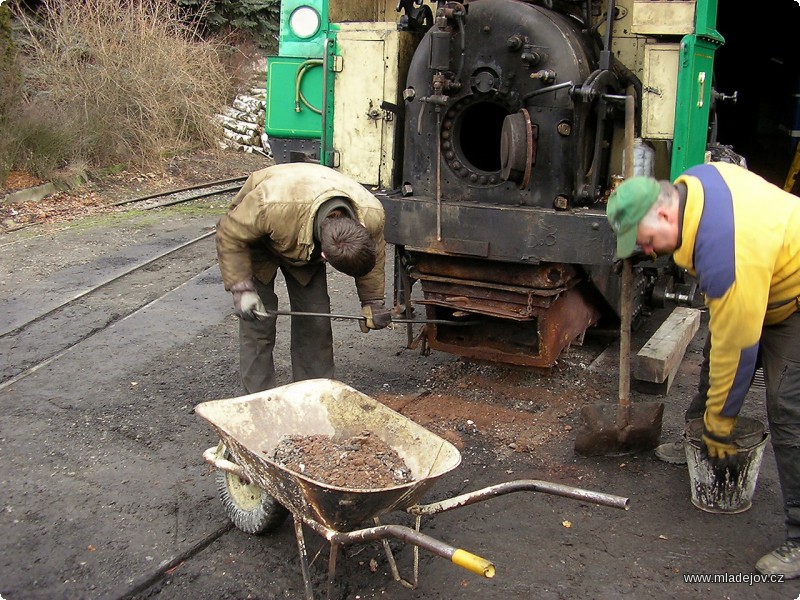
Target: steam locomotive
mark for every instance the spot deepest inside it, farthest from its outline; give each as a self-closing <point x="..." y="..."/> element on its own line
<point x="493" y="131"/>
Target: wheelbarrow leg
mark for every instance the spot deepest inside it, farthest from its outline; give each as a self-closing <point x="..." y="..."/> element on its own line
<point x="332" y="567"/>
<point x="301" y="546"/>
<point x="412" y="585"/>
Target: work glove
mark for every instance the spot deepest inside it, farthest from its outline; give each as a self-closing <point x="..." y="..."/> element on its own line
<point x="717" y="444"/>
<point x="246" y="301"/>
<point x="376" y="316"/>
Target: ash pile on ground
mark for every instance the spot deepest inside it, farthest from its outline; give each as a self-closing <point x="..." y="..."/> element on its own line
<point x="361" y="462"/>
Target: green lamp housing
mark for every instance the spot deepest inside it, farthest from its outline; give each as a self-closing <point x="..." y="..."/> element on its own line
<point x="304" y="25"/>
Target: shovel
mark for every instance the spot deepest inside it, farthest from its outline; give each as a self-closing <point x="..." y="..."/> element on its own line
<point x="623" y="428"/>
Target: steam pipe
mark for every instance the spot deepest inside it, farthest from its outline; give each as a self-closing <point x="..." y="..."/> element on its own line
<point x="550" y="88"/>
<point x="605" y="55"/>
<point x="438" y="175"/>
<point x="631" y="78"/>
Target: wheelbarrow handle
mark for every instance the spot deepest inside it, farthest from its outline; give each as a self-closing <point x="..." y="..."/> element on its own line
<point x="213" y="456"/>
<point x="460" y="558"/>
<point x="294" y="313"/>
<point x="520" y="485"/>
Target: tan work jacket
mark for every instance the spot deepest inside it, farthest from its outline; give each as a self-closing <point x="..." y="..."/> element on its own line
<point x="270" y="223"/>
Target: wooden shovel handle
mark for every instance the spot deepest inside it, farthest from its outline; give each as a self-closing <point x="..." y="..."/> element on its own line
<point x="626" y="310"/>
<point x="626" y="299"/>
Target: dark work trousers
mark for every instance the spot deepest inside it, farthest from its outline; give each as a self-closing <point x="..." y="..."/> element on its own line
<point x="780" y="357"/>
<point x="311" y="341"/>
<point x="697" y="407"/>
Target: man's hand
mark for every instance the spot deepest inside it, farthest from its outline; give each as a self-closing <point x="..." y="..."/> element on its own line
<point x="718" y="446"/>
<point x="246" y="301"/>
<point x="716" y="449"/>
<point x="376" y="315"/>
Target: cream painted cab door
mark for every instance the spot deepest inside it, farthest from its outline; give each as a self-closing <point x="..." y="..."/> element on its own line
<point x="358" y="120"/>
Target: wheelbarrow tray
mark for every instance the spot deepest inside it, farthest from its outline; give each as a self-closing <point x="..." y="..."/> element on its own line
<point x="252" y="426"/>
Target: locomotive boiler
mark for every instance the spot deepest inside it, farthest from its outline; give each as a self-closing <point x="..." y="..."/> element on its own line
<point x="502" y="126"/>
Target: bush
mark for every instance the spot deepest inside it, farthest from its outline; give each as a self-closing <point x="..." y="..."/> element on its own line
<point x="256" y="19"/>
<point x="42" y="142"/>
<point x="115" y="81"/>
<point x="9" y="88"/>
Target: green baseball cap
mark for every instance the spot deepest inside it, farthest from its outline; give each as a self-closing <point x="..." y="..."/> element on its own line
<point x="626" y="206"/>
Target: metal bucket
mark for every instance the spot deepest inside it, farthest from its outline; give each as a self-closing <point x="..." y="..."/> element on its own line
<point x="720" y="490"/>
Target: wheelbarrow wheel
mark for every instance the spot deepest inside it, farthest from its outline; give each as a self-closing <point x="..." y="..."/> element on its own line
<point x="248" y="506"/>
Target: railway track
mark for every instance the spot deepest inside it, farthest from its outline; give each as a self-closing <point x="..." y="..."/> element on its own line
<point x="124" y="290"/>
<point x="184" y="194"/>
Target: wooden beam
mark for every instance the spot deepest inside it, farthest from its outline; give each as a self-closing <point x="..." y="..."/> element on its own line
<point x="659" y="359"/>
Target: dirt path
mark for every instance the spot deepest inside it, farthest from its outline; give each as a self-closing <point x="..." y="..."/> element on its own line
<point x="106" y="494"/>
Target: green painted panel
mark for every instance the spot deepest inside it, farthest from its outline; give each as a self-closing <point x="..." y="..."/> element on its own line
<point x="282" y="119"/>
<point x="695" y="77"/>
<point x="290" y="44"/>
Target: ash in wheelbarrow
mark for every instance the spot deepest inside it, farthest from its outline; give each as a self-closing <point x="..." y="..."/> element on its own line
<point x="258" y="492"/>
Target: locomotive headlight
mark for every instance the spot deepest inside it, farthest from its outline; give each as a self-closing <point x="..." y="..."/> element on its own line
<point x="304" y="22"/>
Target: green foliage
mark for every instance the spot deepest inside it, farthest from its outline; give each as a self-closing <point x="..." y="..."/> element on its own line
<point x="9" y="88"/>
<point x="257" y="19"/>
<point x="9" y="70"/>
<point x="42" y="141"/>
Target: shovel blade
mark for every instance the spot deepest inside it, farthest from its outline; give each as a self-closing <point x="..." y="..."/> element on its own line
<point x="602" y="433"/>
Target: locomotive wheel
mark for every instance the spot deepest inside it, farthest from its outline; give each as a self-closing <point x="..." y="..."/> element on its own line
<point x="249" y="507"/>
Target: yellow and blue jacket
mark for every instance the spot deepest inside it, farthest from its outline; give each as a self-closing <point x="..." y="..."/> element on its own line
<point x="741" y="240"/>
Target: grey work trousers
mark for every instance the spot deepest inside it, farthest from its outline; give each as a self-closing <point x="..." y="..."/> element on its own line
<point x="311" y="337"/>
<point x="779" y="355"/>
<point x="697" y="407"/>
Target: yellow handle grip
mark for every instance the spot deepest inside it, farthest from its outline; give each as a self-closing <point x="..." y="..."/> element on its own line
<point x="470" y="562"/>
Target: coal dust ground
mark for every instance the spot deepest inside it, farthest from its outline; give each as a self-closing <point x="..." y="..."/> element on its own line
<point x="106" y="495"/>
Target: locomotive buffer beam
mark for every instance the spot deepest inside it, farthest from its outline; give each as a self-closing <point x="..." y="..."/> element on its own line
<point x="513" y="324"/>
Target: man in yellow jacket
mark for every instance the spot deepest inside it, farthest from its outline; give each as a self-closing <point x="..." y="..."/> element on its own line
<point x="739" y="236"/>
<point x="296" y="217"/>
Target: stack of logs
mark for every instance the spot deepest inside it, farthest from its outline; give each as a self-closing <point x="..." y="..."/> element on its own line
<point x="243" y="123"/>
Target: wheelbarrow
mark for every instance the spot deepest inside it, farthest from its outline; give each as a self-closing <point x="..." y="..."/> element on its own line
<point x="258" y="493"/>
